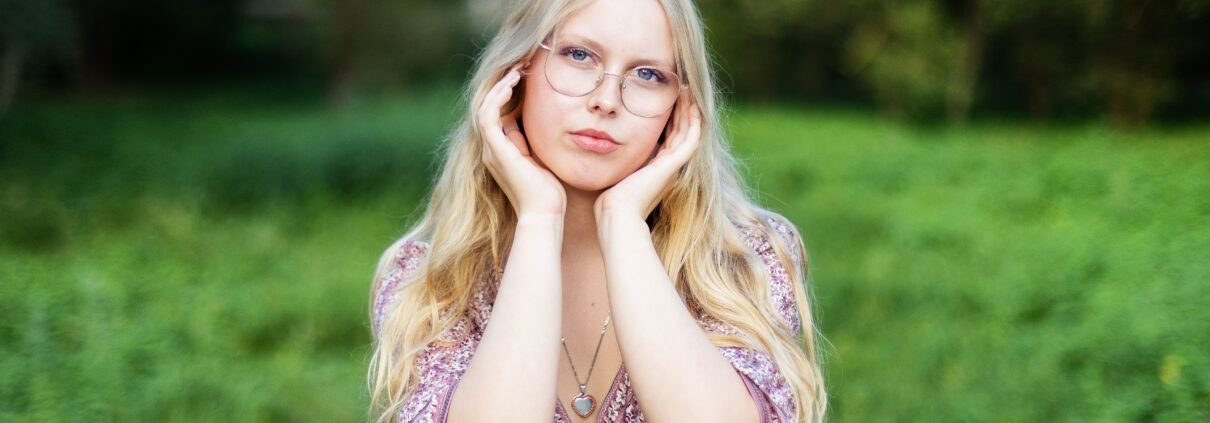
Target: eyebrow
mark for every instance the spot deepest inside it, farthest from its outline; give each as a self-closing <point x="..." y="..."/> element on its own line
<point x="595" y="46"/>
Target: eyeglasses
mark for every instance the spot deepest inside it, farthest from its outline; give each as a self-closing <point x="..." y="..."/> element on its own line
<point x="575" y="70"/>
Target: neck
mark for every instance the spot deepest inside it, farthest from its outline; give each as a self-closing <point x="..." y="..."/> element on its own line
<point x="580" y="243"/>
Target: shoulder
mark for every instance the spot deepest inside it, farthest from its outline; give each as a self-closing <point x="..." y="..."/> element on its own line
<point x="760" y="237"/>
<point x="778" y="245"/>
<point x="396" y="269"/>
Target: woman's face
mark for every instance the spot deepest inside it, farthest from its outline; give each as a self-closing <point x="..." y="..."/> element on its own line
<point x="560" y="128"/>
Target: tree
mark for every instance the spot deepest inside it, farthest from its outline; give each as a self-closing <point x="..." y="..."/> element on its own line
<point x="31" y="32"/>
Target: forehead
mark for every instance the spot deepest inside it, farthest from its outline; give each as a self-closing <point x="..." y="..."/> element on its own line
<point x="630" y="30"/>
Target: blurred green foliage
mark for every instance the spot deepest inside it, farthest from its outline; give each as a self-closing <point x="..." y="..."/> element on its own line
<point x="923" y="60"/>
<point x="209" y="259"/>
<point x="1127" y="60"/>
<point x="999" y="272"/>
<point x="199" y="260"/>
<point x="203" y="253"/>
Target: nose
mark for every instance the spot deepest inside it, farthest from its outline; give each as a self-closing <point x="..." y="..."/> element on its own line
<point x="607" y="96"/>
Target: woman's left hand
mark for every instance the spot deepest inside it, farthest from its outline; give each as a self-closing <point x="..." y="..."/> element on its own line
<point x="638" y="194"/>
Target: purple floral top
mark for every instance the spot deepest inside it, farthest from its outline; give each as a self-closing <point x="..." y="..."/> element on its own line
<point x="441" y="367"/>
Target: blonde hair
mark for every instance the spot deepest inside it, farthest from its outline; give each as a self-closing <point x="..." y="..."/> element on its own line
<point x="469" y="224"/>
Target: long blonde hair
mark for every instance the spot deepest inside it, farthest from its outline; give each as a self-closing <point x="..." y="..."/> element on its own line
<point x="469" y="224"/>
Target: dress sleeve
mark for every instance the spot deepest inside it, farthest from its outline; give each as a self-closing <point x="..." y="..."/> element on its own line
<point x="441" y="367"/>
<point x="442" y="363"/>
<point x="772" y="393"/>
<point x="407" y="257"/>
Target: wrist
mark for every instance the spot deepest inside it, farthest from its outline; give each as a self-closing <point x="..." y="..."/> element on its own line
<point x="542" y="212"/>
<point x="607" y="210"/>
<point x="613" y="222"/>
<point x="539" y="217"/>
<point x="540" y="222"/>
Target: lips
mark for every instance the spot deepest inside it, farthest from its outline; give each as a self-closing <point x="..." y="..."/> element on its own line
<point x="594" y="141"/>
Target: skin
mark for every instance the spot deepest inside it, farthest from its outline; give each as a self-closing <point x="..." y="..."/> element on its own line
<point x="582" y="246"/>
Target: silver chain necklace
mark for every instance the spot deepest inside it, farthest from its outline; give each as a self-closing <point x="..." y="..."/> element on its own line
<point x="582" y="403"/>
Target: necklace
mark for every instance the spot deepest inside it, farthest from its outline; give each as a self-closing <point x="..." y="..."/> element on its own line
<point x="582" y="403"/>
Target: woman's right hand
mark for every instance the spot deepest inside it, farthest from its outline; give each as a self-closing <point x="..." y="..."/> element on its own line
<point x="531" y="188"/>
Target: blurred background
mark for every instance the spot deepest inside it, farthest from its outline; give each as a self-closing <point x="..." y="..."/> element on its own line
<point x="1006" y="203"/>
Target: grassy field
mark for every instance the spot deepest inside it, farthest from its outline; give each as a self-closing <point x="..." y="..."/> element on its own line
<point x="209" y="259"/>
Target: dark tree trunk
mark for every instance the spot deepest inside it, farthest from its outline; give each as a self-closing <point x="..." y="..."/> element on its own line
<point x="961" y="91"/>
<point x="10" y="72"/>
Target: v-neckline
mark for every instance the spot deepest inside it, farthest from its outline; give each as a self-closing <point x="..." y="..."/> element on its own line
<point x="613" y="388"/>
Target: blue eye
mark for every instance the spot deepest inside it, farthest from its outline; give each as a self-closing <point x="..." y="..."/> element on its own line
<point x="577" y="54"/>
<point x="649" y="74"/>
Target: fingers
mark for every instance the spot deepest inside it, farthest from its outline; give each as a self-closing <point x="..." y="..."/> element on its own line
<point x="513" y="133"/>
<point x="505" y="153"/>
<point x="685" y="132"/>
<point x="693" y="132"/>
<point x="490" y="122"/>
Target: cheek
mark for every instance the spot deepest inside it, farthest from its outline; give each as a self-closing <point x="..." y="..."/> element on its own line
<point x="539" y="112"/>
<point x="647" y="135"/>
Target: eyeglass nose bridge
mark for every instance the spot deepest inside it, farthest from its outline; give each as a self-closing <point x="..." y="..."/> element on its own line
<point x="601" y="79"/>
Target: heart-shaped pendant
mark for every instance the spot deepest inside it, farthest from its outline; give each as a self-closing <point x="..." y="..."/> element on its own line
<point x="583" y="404"/>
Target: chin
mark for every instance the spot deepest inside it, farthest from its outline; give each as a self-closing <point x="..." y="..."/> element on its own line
<point x="588" y="183"/>
<point x="588" y="175"/>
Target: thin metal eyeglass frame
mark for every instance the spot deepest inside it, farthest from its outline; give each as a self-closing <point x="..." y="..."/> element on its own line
<point x="601" y="79"/>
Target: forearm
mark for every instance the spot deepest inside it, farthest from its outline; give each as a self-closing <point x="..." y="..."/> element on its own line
<point x="677" y="373"/>
<point x="512" y="375"/>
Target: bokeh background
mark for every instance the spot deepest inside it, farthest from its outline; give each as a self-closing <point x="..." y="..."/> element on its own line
<point x="1006" y="202"/>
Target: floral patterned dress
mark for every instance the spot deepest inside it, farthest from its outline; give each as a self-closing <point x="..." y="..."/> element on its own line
<point x="441" y="367"/>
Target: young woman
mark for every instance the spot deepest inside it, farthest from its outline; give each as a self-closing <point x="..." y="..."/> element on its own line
<point x="588" y="242"/>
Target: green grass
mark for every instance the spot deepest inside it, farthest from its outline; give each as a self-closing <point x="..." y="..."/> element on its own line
<point x="999" y="272"/>
<point x="208" y="259"/>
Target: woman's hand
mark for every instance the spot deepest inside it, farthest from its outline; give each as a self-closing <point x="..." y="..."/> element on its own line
<point x="530" y="187"/>
<point x="637" y="194"/>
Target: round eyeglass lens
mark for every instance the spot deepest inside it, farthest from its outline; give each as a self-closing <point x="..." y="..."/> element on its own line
<point x="575" y="71"/>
